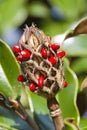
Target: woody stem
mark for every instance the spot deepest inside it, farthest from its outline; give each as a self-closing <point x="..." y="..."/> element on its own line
<point x="55" y="113"/>
<point x="23" y="114"/>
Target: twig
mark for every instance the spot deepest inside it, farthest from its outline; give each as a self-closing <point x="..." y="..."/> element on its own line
<point x="20" y="111"/>
<point x="55" y="113"/>
<point x="17" y="107"/>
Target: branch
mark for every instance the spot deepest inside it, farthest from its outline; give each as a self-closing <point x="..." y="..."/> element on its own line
<point x="55" y="113"/>
<point x="17" y="107"/>
<point x="23" y="114"/>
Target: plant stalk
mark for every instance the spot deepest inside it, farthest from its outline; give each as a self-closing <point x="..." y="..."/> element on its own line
<point x="17" y="107"/>
<point x="55" y="113"/>
<point x="23" y="114"/>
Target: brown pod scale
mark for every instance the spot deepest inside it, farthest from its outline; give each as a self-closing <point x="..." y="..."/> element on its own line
<point x="42" y="62"/>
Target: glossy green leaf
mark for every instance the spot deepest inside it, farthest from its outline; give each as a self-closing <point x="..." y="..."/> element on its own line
<point x="76" y="46"/>
<point x="83" y="123"/>
<point x="10" y="121"/>
<point x="37" y="103"/>
<point x="43" y="121"/>
<point x="84" y="128"/>
<point x="9" y="70"/>
<point x="41" y="113"/>
<point x="67" y="97"/>
<point x="79" y="65"/>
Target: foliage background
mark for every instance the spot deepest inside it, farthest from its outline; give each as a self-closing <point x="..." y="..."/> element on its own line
<point x="54" y="18"/>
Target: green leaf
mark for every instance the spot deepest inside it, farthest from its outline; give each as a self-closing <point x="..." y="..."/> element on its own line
<point x="41" y="113"/>
<point x="70" y="125"/>
<point x="38" y="107"/>
<point x="67" y="97"/>
<point x="76" y="46"/>
<point x="81" y="28"/>
<point x="79" y="65"/>
<point x="9" y="70"/>
<point x="83" y="123"/>
<point x="43" y="121"/>
<point x="10" y="121"/>
<point x="84" y="128"/>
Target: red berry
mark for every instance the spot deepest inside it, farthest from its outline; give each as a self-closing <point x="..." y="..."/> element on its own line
<point x="44" y="52"/>
<point x="53" y="60"/>
<point x="21" y="78"/>
<point x="55" y="46"/>
<point x="25" y="53"/>
<point x="19" y="58"/>
<point x="65" y="84"/>
<point x="16" y="49"/>
<point x="60" y="54"/>
<point x="41" y="81"/>
<point x="32" y="86"/>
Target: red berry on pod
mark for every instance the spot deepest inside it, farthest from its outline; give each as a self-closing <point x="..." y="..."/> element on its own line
<point x="65" y="84"/>
<point x="32" y="86"/>
<point x="16" y="49"/>
<point x="25" y="54"/>
<point x="21" y="78"/>
<point x="55" y="46"/>
<point x="19" y="58"/>
<point x="44" y="52"/>
<point x="52" y="60"/>
<point x="61" y="54"/>
<point x="41" y="81"/>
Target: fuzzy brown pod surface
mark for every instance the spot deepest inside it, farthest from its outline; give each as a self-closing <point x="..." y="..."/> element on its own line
<point x="41" y="62"/>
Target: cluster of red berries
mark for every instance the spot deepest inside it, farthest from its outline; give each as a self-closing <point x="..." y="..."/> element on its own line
<point x="52" y="59"/>
<point x="25" y="54"/>
<point x="32" y="85"/>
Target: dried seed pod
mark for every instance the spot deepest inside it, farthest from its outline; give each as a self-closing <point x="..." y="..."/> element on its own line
<point x="41" y="64"/>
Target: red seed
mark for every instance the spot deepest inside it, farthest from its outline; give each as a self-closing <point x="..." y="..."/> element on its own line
<point x="32" y="86"/>
<point x="44" y="52"/>
<point x="16" y="49"/>
<point x="19" y="58"/>
<point x="61" y="54"/>
<point x="65" y="84"/>
<point x="41" y="81"/>
<point x="55" y="46"/>
<point x="52" y="60"/>
<point x="25" y="53"/>
<point x="21" y="78"/>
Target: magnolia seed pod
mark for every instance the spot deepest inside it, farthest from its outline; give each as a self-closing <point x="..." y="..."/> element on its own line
<point x="43" y="67"/>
